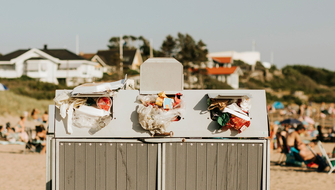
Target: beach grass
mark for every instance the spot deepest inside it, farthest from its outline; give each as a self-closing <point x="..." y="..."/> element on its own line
<point x="14" y="104"/>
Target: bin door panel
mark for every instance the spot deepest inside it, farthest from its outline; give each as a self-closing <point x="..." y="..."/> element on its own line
<point x="213" y="165"/>
<point x="107" y="165"/>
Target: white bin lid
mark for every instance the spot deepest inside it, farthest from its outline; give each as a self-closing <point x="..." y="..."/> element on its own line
<point x="161" y="74"/>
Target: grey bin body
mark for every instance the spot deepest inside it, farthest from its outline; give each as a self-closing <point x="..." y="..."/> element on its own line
<point x="124" y="156"/>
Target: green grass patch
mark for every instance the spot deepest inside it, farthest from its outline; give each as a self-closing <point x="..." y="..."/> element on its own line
<point x="14" y="104"/>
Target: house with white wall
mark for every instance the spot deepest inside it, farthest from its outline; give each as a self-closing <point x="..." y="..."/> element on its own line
<point x="229" y="75"/>
<point x="249" y="57"/>
<point x="132" y="59"/>
<point x="50" y="65"/>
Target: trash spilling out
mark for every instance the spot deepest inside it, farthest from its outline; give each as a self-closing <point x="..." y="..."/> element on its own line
<point x="88" y="105"/>
<point x="90" y="89"/>
<point x="230" y="112"/>
<point x="156" y="112"/>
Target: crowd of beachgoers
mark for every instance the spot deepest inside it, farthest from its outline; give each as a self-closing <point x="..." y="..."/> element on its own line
<point x="29" y="129"/>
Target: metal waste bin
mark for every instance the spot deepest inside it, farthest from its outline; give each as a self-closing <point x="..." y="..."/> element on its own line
<point x="123" y="155"/>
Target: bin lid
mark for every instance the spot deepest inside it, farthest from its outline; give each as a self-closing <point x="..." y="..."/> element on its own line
<point x="161" y="74"/>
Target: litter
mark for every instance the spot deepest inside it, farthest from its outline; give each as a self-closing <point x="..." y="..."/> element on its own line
<point x="217" y="103"/>
<point x="237" y="111"/>
<point x="238" y="124"/>
<point x="104" y="103"/>
<point x="231" y="112"/>
<point x="90" y="117"/>
<point x="156" y="112"/>
<point x="98" y="88"/>
<point x="167" y="103"/>
<point x="88" y="105"/>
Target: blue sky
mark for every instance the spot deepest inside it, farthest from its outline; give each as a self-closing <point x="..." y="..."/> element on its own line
<point x="296" y="31"/>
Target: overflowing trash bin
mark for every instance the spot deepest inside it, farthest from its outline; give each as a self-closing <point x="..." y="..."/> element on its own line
<point x="158" y="137"/>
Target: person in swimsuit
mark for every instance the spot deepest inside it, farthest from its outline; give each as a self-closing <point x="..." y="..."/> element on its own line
<point x="21" y="130"/>
<point x="45" y="117"/>
<point x="294" y="140"/>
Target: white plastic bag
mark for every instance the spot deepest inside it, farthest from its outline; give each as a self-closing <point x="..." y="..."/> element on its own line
<point x="147" y="99"/>
<point x="245" y="104"/>
<point x="90" y="117"/>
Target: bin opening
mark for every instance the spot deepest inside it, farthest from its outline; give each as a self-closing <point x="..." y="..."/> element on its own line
<point x="157" y="111"/>
<point x="230" y="111"/>
<point x="89" y="105"/>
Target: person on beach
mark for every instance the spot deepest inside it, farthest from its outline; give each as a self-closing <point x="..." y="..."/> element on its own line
<point x="294" y="140"/>
<point x="41" y="135"/>
<point x="11" y="136"/>
<point x="3" y="132"/>
<point x="45" y="117"/>
<point x="34" y="115"/>
<point x="331" y="110"/>
<point x="21" y="129"/>
<point x="320" y="135"/>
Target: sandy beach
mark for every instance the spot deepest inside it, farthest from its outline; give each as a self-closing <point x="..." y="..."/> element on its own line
<point x="27" y="171"/>
<point x="298" y="178"/>
<point x="19" y="170"/>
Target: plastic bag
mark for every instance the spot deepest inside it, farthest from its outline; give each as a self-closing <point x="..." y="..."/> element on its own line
<point x="150" y="120"/>
<point x="90" y="117"/>
<point x="156" y="120"/>
<point x="234" y="109"/>
<point x="238" y="124"/>
<point x="62" y="99"/>
<point x="65" y="98"/>
<point x="245" y="104"/>
<point x="223" y="119"/>
<point x="217" y="103"/>
<point x="147" y="99"/>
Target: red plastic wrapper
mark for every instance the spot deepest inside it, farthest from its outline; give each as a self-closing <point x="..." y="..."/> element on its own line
<point x="104" y="103"/>
<point x="238" y="124"/>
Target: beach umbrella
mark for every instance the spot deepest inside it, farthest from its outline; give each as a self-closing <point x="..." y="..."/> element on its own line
<point x="278" y="105"/>
<point x="3" y="87"/>
<point x="290" y="121"/>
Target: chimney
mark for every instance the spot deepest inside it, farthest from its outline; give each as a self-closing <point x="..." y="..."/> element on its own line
<point x="45" y="47"/>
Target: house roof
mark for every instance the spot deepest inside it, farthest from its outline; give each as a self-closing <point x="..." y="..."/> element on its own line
<point x="13" y="55"/>
<point x="62" y="54"/>
<point x="221" y="70"/>
<point x="107" y="56"/>
<point x="222" y="59"/>
<point x="87" y="56"/>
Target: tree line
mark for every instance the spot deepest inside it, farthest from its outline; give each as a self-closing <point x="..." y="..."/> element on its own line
<point x="182" y="47"/>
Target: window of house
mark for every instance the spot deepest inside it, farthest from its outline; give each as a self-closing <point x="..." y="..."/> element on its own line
<point x="67" y="67"/>
<point x="7" y="67"/>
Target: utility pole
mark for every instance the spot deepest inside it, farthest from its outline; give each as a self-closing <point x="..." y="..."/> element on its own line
<point x="121" y="55"/>
<point x="151" y="51"/>
<point x="77" y="44"/>
<point x="67" y="73"/>
<point x="253" y="45"/>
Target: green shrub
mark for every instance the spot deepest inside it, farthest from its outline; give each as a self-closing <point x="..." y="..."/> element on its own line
<point x="32" y="88"/>
<point x="211" y="83"/>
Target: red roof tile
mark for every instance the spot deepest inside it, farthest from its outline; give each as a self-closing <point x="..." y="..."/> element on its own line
<point x="222" y="59"/>
<point x="221" y="70"/>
